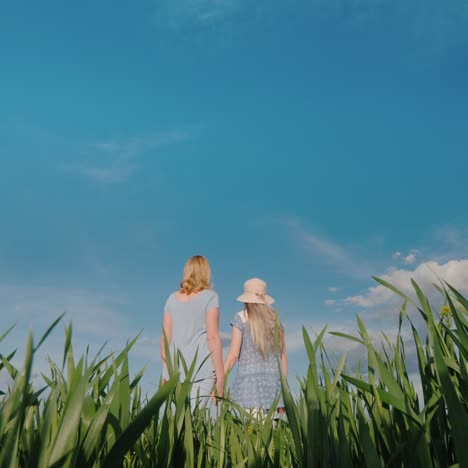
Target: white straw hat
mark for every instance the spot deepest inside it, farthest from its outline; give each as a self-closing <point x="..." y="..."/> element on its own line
<point x="255" y="292"/>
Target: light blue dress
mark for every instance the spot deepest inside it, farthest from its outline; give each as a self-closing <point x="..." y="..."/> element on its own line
<point x="189" y="335"/>
<point x="257" y="384"/>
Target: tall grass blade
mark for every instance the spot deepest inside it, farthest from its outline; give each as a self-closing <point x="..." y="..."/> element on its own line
<point x="48" y="331"/>
<point x="134" y="430"/>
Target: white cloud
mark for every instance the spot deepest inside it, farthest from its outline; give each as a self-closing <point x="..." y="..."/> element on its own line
<point x="294" y="340"/>
<point x="450" y="235"/>
<point x="96" y="319"/>
<point x="326" y="250"/>
<point x="454" y="272"/>
<point x="131" y="147"/>
<point x="201" y="12"/>
<point x="117" y="159"/>
<point x="108" y="174"/>
<point x="333" y="289"/>
<point x="452" y="242"/>
<point x="409" y="259"/>
<point x="337" y="346"/>
<point x="431" y="27"/>
<point x="330" y="302"/>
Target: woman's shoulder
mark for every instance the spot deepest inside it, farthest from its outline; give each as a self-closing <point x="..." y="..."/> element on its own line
<point x="210" y="299"/>
<point x="169" y="305"/>
<point x="209" y="293"/>
<point x="173" y="295"/>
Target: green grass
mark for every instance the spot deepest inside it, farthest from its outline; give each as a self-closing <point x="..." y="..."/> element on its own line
<point x="91" y="413"/>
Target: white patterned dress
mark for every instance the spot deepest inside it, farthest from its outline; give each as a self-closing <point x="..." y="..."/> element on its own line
<point x="257" y="384"/>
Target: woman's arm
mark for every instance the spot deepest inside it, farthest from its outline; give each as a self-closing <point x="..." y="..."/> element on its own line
<point x="234" y="349"/>
<point x="167" y="330"/>
<point x="214" y="345"/>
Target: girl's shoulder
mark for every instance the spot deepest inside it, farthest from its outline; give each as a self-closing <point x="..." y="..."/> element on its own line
<point x="242" y="316"/>
<point x="239" y="320"/>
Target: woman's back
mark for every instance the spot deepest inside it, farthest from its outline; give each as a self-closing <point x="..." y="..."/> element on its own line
<point x="191" y="326"/>
<point x="189" y="330"/>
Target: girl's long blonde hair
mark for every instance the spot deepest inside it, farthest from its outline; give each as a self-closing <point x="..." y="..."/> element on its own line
<point x="266" y="329"/>
<point x="196" y="276"/>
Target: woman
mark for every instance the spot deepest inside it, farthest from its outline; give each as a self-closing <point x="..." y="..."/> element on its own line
<point x="191" y="325"/>
<point x="257" y="343"/>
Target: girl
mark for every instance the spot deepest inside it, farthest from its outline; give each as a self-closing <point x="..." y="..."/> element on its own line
<point x="191" y="324"/>
<point x="257" y="342"/>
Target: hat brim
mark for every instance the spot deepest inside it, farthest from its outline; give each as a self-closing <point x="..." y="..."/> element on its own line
<point x="250" y="298"/>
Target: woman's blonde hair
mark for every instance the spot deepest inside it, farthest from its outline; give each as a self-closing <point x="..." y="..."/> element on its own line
<point x="197" y="275"/>
<point x="266" y="329"/>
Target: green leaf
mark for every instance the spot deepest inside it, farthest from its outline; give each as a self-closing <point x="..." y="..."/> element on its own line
<point x="371" y="455"/>
<point x="385" y="396"/>
<point x="457" y="413"/>
<point x="395" y="290"/>
<point x="110" y="372"/>
<point x="134" y="430"/>
<point x="48" y="331"/>
<point x="8" y="457"/>
<point x="348" y="337"/>
<point x="66" y="437"/>
<point x="331" y="389"/>
<point x="2" y="337"/>
<point x="294" y="423"/>
<point x="91" y="441"/>
<point x="68" y="336"/>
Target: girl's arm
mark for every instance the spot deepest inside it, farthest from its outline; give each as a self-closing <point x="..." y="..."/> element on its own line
<point x="284" y="362"/>
<point x="234" y="349"/>
<point x="214" y="345"/>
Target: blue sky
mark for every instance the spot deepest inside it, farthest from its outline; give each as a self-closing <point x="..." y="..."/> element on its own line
<point x="312" y="144"/>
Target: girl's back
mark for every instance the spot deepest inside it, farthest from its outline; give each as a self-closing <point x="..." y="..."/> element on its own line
<point x="258" y="347"/>
<point x="251" y="361"/>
